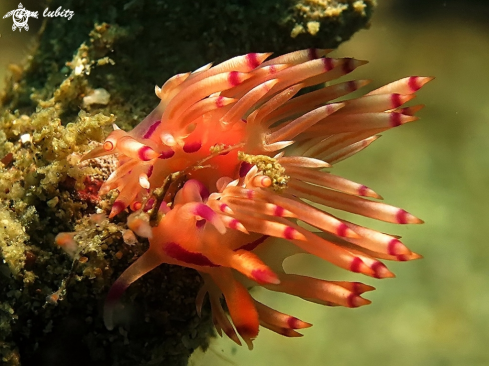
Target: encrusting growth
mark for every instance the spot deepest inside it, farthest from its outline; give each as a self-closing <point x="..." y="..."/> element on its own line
<point x="225" y="162"/>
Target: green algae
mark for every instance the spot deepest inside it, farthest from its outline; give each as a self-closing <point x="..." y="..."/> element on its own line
<point x="49" y="299"/>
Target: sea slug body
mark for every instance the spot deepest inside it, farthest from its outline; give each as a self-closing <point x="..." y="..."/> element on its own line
<point x="218" y="174"/>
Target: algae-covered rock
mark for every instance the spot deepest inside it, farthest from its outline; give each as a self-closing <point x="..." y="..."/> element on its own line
<point x="86" y="73"/>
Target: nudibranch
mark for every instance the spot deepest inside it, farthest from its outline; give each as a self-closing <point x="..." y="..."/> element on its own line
<point x="225" y="171"/>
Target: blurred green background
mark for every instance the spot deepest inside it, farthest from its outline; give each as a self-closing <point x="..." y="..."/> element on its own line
<point x="436" y="312"/>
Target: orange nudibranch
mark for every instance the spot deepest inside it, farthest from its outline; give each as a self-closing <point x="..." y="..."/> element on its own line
<point x="241" y="155"/>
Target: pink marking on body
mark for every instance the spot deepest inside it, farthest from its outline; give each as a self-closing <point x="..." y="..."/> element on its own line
<point x="391" y="247"/>
<point x="403" y="110"/>
<point x="251" y="246"/>
<point x="348" y="65"/>
<point x="378" y="267"/>
<point x="328" y="63"/>
<point x="219" y="102"/>
<point x="401" y="216"/>
<point x="166" y="154"/>
<point x="204" y="211"/>
<point x="246" y="331"/>
<point x="341" y="230"/>
<point x="244" y="168"/>
<point x="402" y="258"/>
<point x="150" y="171"/>
<point x="352" y="85"/>
<point x="264" y="276"/>
<point x="233" y="78"/>
<point x="151" y="129"/>
<point x="233" y="224"/>
<point x="396" y="100"/>
<point x="176" y="251"/>
<point x="223" y="207"/>
<point x="252" y="60"/>
<point x="250" y="194"/>
<point x="293" y="322"/>
<point x="413" y="83"/>
<point x="145" y="153"/>
<point x="362" y="190"/>
<point x="356" y="288"/>
<point x="279" y="211"/>
<point x="117" y="208"/>
<point x="149" y="204"/>
<point x="350" y="300"/>
<point x="191" y="147"/>
<point x="356" y="264"/>
<point x="395" y="119"/>
<point x="289" y="233"/>
<point x="312" y="53"/>
<point x="272" y="69"/>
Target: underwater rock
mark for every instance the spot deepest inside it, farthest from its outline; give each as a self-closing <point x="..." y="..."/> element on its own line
<point x="51" y="303"/>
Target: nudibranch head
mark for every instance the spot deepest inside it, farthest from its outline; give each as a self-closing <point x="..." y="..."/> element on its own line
<point x="218" y="174"/>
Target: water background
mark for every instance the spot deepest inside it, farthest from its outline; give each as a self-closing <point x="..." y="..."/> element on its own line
<point x="436" y="312"/>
